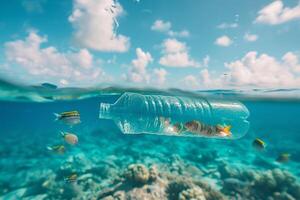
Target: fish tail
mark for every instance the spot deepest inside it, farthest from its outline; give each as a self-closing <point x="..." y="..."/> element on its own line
<point x="62" y="133"/>
<point x="49" y="148"/>
<point x="57" y="116"/>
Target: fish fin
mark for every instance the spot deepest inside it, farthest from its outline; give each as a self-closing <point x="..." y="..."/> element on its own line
<point x="57" y="116"/>
<point x="62" y="133"/>
<point x="49" y="148"/>
<point x="227" y="129"/>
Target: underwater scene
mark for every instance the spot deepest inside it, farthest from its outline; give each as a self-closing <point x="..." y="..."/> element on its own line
<point x="55" y="144"/>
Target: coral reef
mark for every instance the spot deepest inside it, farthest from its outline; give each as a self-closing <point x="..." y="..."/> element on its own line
<point x="137" y="173"/>
<point x="194" y="193"/>
<point x="166" y="169"/>
<point x="266" y="184"/>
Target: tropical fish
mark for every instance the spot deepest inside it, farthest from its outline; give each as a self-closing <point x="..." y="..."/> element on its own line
<point x="70" y="118"/>
<point x="283" y="157"/>
<point x="258" y="144"/>
<point x="60" y="149"/>
<point x="224" y="130"/>
<point x="70" y="138"/>
<point x="71" y="178"/>
<point x="194" y="126"/>
<point x="178" y="127"/>
<point x="197" y="127"/>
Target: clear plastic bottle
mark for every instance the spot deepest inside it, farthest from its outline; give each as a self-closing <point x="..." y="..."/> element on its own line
<point x="179" y="116"/>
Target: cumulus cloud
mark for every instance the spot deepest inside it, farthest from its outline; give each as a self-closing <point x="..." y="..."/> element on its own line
<point x="205" y="79"/>
<point x="41" y="64"/>
<point x="227" y="25"/>
<point x="252" y="70"/>
<point x="159" y="76"/>
<point x="95" y="22"/>
<point x="139" y="72"/>
<point x="183" y="33"/>
<point x="250" y="37"/>
<point x="191" y="82"/>
<point x="277" y="13"/>
<point x="264" y="71"/>
<point x="224" y="41"/>
<point x="161" y="26"/>
<point x="175" y="54"/>
<point x="205" y="61"/>
<point x="165" y="27"/>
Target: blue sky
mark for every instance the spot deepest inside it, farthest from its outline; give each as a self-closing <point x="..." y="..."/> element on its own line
<point x="167" y="43"/>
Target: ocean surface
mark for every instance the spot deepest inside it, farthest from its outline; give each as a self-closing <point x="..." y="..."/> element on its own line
<point x="111" y="165"/>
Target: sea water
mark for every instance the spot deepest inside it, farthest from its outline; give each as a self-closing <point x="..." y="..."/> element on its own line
<point x="113" y="165"/>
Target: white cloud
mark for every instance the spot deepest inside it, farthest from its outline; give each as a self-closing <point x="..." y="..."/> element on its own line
<point x="41" y="64"/>
<point x="250" y="37"/>
<point x="291" y="60"/>
<point x="183" y="33"/>
<point x="205" y="61"/>
<point x="203" y="80"/>
<point x="94" y="22"/>
<point x="253" y="70"/>
<point x="160" y="25"/>
<point x="159" y="76"/>
<point x="190" y="82"/>
<point x="224" y="41"/>
<point x="165" y="27"/>
<point x="175" y="54"/>
<point x="264" y="71"/>
<point x="138" y="72"/>
<point x="227" y="25"/>
<point x="276" y="13"/>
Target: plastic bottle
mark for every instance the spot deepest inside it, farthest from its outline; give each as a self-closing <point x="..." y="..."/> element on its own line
<point x="135" y="113"/>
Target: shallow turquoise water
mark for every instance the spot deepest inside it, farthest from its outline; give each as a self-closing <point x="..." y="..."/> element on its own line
<point x="29" y="170"/>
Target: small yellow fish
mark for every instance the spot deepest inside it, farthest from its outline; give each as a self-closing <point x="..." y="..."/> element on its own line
<point x="283" y="158"/>
<point x="70" y="138"/>
<point x="224" y="130"/>
<point x="258" y="144"/>
<point x="71" y="178"/>
<point x="60" y="149"/>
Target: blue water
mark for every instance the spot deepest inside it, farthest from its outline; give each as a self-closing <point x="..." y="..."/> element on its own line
<point x="29" y="171"/>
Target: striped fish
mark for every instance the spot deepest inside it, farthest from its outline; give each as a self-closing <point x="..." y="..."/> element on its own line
<point x="70" y="118"/>
<point x="197" y="127"/>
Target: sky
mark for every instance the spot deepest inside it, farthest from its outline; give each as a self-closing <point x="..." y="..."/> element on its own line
<point x="187" y="44"/>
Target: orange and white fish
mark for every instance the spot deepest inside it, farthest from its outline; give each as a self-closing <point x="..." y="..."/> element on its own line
<point x="70" y="138"/>
<point x="224" y="130"/>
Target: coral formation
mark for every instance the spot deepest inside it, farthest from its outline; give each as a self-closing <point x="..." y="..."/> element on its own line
<point x="194" y="193"/>
<point x="137" y="173"/>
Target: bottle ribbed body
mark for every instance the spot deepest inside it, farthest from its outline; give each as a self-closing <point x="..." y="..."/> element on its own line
<point x="136" y="113"/>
